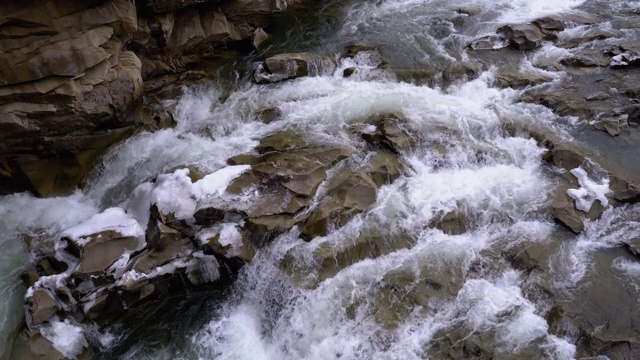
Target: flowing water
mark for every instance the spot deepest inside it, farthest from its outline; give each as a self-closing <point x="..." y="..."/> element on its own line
<point x="464" y="162"/>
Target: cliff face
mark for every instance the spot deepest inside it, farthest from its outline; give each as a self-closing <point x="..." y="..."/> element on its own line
<point x="72" y="73"/>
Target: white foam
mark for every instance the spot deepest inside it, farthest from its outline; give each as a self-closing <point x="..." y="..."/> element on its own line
<point x="228" y="236"/>
<point x="173" y="194"/>
<point x="589" y="190"/>
<point x="112" y="219"/>
<point x="65" y="337"/>
<point x="214" y="185"/>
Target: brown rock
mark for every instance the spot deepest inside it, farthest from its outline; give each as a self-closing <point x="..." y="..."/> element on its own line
<point x="522" y="36"/>
<point x="562" y="209"/>
<point x="288" y="66"/>
<point x="42" y="306"/>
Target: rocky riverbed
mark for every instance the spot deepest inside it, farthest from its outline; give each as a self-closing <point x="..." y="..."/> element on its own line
<point x="391" y="179"/>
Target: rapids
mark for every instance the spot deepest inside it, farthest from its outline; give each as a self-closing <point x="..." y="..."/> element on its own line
<point x="465" y="162"/>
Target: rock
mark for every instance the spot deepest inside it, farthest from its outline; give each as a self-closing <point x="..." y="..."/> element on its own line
<point x="208" y="216"/>
<point x="31" y="345"/>
<point x="613" y="125"/>
<point x="73" y="71"/>
<point x="353" y="49"/>
<point x="392" y="132"/>
<point x="596" y="33"/>
<point x="350" y="192"/>
<point x="522" y="36"/>
<point x="451" y="223"/>
<point x="42" y="306"/>
<point x="489" y="42"/>
<point x="259" y="37"/>
<point x="281" y="142"/>
<point x="164" y="245"/>
<point x="633" y="246"/>
<point x="29" y="276"/>
<point x="627" y="58"/>
<point x="588" y="58"/>
<point x="49" y="265"/>
<point x="101" y="251"/>
<point x="563" y="210"/>
<point x="549" y="24"/>
<point x="269" y="115"/>
<point x="289" y="66"/>
<point x="348" y="72"/>
<point x="229" y="243"/>
<point x="597" y="96"/>
<point x="328" y="259"/>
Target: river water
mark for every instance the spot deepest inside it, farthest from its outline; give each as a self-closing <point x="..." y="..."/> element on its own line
<point x="465" y="162"/>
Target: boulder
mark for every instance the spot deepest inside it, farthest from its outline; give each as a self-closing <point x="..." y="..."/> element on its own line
<point x="522" y="36"/>
<point x="563" y="210"/>
<point x="593" y="34"/>
<point x="31" y="345"/>
<point x="41" y="305"/>
<point x="392" y="133"/>
<point x="72" y="72"/>
<point x="350" y="192"/>
<point x="451" y="223"/>
<point x="165" y="245"/>
<point x="101" y="251"/>
<point x="612" y="125"/>
<point x="293" y="65"/>
<point x="550" y="24"/>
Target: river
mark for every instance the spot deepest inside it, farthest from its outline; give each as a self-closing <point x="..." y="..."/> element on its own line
<point x="465" y="161"/>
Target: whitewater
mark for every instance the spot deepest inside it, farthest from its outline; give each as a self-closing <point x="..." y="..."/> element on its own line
<point x="466" y="161"/>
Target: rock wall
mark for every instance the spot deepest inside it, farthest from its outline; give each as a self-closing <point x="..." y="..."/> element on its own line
<point x="73" y="72"/>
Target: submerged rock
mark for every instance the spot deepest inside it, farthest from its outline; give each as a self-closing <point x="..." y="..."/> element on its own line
<point x="289" y="66"/>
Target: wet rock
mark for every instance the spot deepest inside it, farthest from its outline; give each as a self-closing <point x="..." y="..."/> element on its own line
<point x="31" y="345"/>
<point x="588" y="58"/>
<point x="229" y="245"/>
<point x="391" y="132"/>
<point x="613" y="125"/>
<point x="49" y="265"/>
<point x="208" y="216"/>
<point x="328" y="259"/>
<point x="568" y="97"/>
<point x="522" y="36"/>
<point x="350" y="192"/>
<point x="294" y="65"/>
<point x="353" y="49"/>
<point x="549" y="24"/>
<point x="29" y="276"/>
<point x="563" y="210"/>
<point x="623" y="190"/>
<point x="282" y="141"/>
<point x="42" y="306"/>
<point x="489" y="42"/>
<point x="602" y="325"/>
<point x="633" y="246"/>
<point x="451" y="223"/>
<point x="259" y="37"/>
<point x="287" y="175"/>
<point x="593" y="34"/>
<point x="101" y="251"/>
<point x="348" y="72"/>
<point x="627" y="58"/>
<point x="597" y="96"/>
<point x="269" y="115"/>
<point x="164" y="245"/>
